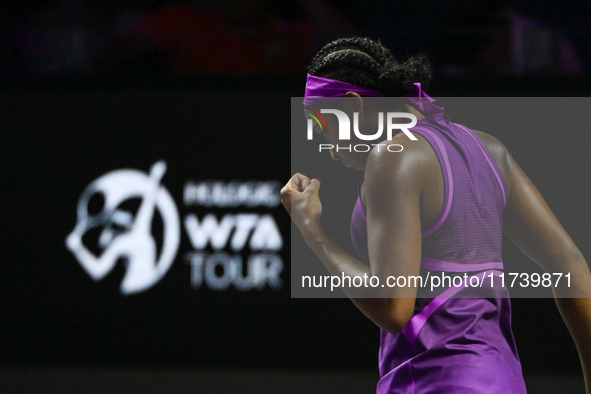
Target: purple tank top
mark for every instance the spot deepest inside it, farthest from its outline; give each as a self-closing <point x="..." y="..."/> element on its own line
<point x="454" y="345"/>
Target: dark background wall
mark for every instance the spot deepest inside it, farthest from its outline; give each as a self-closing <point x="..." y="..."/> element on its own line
<point x="62" y="37"/>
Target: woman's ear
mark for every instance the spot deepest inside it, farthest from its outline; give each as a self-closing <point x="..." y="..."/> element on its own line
<point x="354" y="102"/>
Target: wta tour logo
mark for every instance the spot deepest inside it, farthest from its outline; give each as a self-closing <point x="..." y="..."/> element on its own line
<point x="238" y="250"/>
<point x="124" y="236"/>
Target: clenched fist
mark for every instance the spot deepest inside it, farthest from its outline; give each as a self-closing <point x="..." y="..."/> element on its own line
<point x="300" y="197"/>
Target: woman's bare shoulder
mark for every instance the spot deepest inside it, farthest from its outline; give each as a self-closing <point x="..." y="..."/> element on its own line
<point x="495" y="147"/>
<point x="410" y="161"/>
<point x="499" y="153"/>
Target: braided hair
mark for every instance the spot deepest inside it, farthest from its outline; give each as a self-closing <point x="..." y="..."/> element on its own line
<point x="362" y="61"/>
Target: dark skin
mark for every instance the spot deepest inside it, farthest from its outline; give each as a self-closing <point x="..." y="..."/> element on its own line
<point x="403" y="194"/>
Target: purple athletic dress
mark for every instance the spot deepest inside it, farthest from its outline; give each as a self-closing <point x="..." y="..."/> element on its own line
<point x="454" y="345"/>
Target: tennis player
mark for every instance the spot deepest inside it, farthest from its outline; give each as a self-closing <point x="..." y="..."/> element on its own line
<point x="440" y="205"/>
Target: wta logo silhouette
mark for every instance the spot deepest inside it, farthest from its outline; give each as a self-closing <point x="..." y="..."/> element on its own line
<point x="125" y="235"/>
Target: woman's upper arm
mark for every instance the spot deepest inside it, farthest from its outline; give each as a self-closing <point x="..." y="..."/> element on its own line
<point x="392" y="191"/>
<point x="531" y="225"/>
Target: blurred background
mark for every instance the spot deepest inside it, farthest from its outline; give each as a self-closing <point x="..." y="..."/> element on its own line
<point x="94" y="86"/>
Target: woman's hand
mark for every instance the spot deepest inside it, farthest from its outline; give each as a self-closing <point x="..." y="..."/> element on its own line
<point x="300" y="197"/>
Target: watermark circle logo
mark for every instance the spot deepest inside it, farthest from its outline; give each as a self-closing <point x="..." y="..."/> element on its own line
<point x="123" y="234"/>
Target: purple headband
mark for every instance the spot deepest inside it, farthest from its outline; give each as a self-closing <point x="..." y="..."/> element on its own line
<point x="317" y="87"/>
<point x="322" y="90"/>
